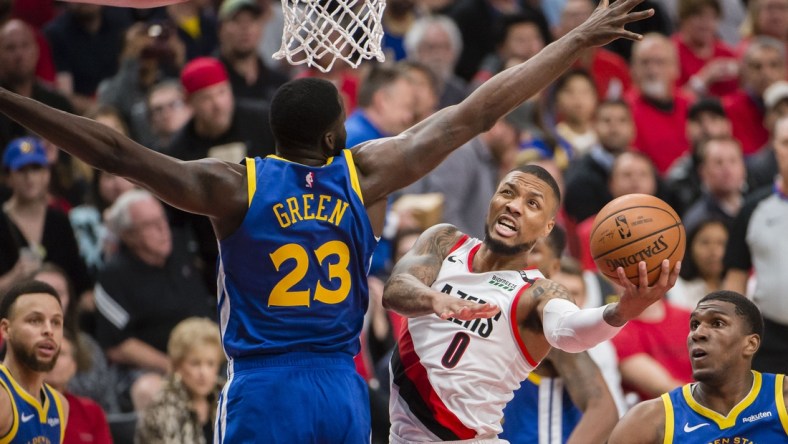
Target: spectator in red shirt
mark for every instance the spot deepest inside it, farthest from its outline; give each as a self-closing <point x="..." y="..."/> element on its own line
<point x="707" y="65"/>
<point x="658" y="108"/>
<point x="86" y="421"/>
<point x="763" y="64"/>
<point x="764" y="18"/>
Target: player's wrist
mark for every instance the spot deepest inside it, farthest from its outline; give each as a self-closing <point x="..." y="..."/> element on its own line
<point x="615" y="315"/>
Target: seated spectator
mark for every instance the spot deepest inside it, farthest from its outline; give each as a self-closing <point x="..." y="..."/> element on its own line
<point x="196" y="26"/>
<point x="575" y="104"/>
<point x="707" y="66"/>
<point x="398" y="17"/>
<point x="31" y="231"/>
<point x="608" y="70"/>
<point x="658" y="108"/>
<point x="241" y="24"/>
<point x="87" y="422"/>
<point x="762" y="64"/>
<point x="18" y="57"/>
<point x="86" y="40"/>
<point x="150" y="53"/>
<point x="702" y="270"/>
<point x="425" y="88"/>
<point x="587" y="176"/>
<point x="167" y="111"/>
<point x="184" y="410"/>
<point x="765" y="18"/>
<point x="435" y="41"/>
<point x="762" y="166"/>
<point x="92" y="378"/>
<point x="706" y="119"/>
<point x="143" y="292"/>
<point x="723" y="181"/>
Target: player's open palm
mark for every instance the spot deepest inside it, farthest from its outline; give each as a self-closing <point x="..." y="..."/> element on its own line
<point x="637" y="298"/>
<point x="607" y="22"/>
<point x="447" y="307"/>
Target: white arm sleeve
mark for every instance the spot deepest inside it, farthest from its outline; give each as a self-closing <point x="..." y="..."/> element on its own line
<point x="573" y="330"/>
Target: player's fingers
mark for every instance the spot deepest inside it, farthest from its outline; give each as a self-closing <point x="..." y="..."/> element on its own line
<point x="623" y="280"/>
<point x="674" y="274"/>
<point x="642" y="275"/>
<point x="626" y="5"/>
<point x="640" y="15"/>
<point x="664" y="274"/>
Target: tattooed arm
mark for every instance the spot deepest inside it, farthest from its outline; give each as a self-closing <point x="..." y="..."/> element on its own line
<point x="589" y="392"/>
<point x="408" y="289"/>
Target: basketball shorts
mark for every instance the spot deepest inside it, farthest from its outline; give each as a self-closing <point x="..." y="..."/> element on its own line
<point x="294" y="398"/>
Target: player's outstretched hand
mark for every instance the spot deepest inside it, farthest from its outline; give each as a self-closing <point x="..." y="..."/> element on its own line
<point x="450" y="307"/>
<point x="636" y="298"/>
<point x="607" y="22"/>
<point x="129" y="3"/>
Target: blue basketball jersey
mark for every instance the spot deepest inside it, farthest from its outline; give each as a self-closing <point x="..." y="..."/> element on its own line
<point x="760" y="417"/>
<point x="293" y="277"/>
<point x="540" y="412"/>
<point x="33" y="421"/>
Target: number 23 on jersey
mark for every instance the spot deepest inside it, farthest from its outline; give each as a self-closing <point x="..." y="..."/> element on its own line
<point x="334" y="253"/>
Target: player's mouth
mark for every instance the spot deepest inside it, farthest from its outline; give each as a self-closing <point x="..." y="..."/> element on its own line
<point x="47" y="348"/>
<point x="505" y="226"/>
<point x="697" y="354"/>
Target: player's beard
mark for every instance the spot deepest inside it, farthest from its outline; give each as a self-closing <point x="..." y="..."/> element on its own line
<point x="28" y="359"/>
<point x="502" y="249"/>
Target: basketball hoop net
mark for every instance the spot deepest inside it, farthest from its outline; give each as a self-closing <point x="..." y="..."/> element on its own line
<point x="318" y="32"/>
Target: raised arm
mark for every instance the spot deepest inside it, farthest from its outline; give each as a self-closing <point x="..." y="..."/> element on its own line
<point x="208" y="186"/>
<point x="408" y="289"/>
<point x="418" y="150"/>
<point x="567" y="327"/>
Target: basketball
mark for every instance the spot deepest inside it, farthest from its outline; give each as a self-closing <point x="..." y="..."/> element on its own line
<point x="634" y="228"/>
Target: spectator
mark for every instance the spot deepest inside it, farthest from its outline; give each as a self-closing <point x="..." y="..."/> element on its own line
<point x="658" y="108"/>
<point x="143" y="292"/>
<point x="241" y="25"/>
<point x="150" y="53"/>
<point x="30" y="230"/>
<point x="608" y="70"/>
<point x="86" y="40"/>
<point x="762" y="166"/>
<point x="659" y="23"/>
<point x="425" y="89"/>
<point x="87" y="422"/>
<point x="765" y="18"/>
<point x="575" y="104"/>
<point x="706" y="64"/>
<point x="723" y="181"/>
<point x="762" y="64"/>
<point x="183" y="411"/>
<point x="195" y="26"/>
<point x="167" y="112"/>
<point x="706" y="119"/>
<point x="18" y="58"/>
<point x="701" y="269"/>
<point x="757" y="243"/>
<point x="587" y="176"/>
<point x="398" y="17"/>
<point x="518" y="37"/>
<point x="435" y="41"/>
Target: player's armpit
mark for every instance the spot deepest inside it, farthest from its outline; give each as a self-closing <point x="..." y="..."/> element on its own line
<point x="643" y="424"/>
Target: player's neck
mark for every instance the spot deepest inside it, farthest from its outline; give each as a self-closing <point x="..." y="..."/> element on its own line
<point x="29" y="380"/>
<point x="723" y="395"/>
<point x="486" y="260"/>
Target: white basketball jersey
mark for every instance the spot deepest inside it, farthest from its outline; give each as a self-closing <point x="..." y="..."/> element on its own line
<point x="451" y="379"/>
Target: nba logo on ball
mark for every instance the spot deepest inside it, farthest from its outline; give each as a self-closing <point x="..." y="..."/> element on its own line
<point x="635" y="228"/>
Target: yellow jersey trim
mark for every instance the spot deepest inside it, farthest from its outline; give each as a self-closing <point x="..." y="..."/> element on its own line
<point x="351" y="166"/>
<point x="15" y="424"/>
<point x="728" y="421"/>
<point x="251" y="178"/>
<point x="533" y="377"/>
<point x="779" y="398"/>
<point x="668" y="405"/>
<point x="42" y="409"/>
<point x="274" y="156"/>
<point x="59" y="407"/>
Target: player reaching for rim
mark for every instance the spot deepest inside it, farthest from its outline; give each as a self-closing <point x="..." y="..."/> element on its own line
<point x="294" y="252"/>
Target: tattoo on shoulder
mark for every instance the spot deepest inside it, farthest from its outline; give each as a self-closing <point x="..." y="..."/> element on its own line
<point x="551" y="288"/>
<point x="440" y="242"/>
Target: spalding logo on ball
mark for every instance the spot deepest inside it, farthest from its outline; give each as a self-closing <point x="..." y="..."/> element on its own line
<point x="635" y="228"/>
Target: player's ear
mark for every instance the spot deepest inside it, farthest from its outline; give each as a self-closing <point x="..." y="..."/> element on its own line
<point x="753" y="343"/>
<point x="549" y="227"/>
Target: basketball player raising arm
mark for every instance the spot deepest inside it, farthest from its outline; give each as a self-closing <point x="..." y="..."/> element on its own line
<point x="451" y="375"/>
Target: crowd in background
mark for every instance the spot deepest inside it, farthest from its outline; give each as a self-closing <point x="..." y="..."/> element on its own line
<point x="695" y="113"/>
